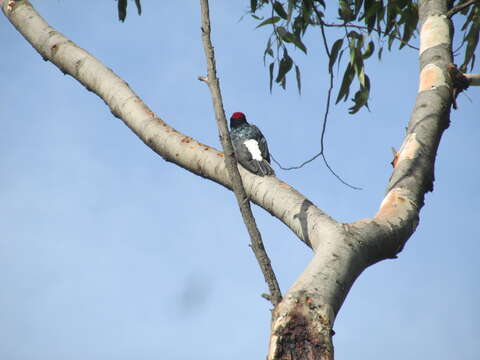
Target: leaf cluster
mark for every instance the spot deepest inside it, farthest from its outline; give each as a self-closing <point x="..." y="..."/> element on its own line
<point x="470" y="33"/>
<point x="122" y="9"/>
<point x="359" y="24"/>
<point x="360" y="28"/>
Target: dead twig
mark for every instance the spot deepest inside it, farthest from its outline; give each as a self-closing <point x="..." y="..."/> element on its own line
<point x="231" y="162"/>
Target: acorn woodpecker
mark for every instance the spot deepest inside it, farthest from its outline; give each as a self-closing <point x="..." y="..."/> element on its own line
<point x="250" y="146"/>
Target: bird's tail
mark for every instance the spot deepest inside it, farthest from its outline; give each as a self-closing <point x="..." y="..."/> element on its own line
<point x="260" y="168"/>
<point x="265" y="169"/>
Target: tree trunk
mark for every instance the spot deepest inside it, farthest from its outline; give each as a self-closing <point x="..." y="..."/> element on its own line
<point x="302" y="322"/>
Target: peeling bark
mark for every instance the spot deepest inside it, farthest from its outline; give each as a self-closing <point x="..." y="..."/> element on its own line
<point x="302" y="332"/>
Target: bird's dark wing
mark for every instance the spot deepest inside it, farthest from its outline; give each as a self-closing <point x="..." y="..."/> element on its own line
<point x="241" y="151"/>
<point x="262" y="143"/>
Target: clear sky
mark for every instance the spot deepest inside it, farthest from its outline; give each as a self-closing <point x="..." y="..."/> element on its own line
<point x="109" y="252"/>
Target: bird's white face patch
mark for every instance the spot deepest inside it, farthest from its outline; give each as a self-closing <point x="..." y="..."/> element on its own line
<point x="252" y="146"/>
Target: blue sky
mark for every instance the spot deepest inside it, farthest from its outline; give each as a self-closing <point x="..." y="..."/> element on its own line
<point x="109" y="252"/>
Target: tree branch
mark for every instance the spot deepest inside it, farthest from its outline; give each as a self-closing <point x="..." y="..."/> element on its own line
<point x="459" y="7"/>
<point x="310" y="306"/>
<point x="231" y="162"/>
<point x="473" y="79"/>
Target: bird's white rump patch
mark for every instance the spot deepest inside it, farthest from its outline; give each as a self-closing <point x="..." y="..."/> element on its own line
<point x="252" y="146"/>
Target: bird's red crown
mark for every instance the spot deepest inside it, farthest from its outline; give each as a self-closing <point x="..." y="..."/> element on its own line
<point x="238" y="115"/>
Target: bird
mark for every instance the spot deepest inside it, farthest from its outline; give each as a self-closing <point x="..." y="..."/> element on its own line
<point x="250" y="146"/>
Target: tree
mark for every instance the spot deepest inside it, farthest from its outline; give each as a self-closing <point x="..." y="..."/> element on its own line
<point x="304" y="216"/>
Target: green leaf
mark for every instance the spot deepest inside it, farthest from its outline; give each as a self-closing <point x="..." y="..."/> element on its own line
<point x="391" y="17"/>
<point x="299" y="26"/>
<point x="411" y="21"/>
<point x="268" y="50"/>
<point x="139" y="7"/>
<point x="361" y="76"/>
<point x="470" y="17"/>
<point x="291" y="38"/>
<point x="472" y="42"/>
<point x="253" y="5"/>
<point x="351" y="51"/>
<point x="402" y="3"/>
<point x="272" y="20"/>
<point x="346" y="81"/>
<point x="284" y="34"/>
<point x="381" y="16"/>
<point x="337" y="45"/>
<point x="370" y="8"/>
<point x="122" y="10"/>
<point x="354" y="35"/>
<point x="299" y="44"/>
<point x="307" y="10"/>
<point x="270" y="69"/>
<point x="369" y="51"/>
<point x="299" y="80"/>
<point x="278" y="7"/>
<point x="380" y="53"/>
<point x="358" y="6"/>
<point x="291" y="4"/>
<point x="285" y="66"/>
<point x="344" y="11"/>
<point x="340" y="59"/>
<point x="391" y="39"/>
<point x="361" y="97"/>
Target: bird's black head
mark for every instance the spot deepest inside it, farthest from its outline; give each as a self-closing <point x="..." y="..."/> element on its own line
<point x="237" y="119"/>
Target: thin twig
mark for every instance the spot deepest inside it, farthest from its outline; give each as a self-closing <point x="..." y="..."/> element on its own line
<point x="361" y="27"/>
<point x="231" y="162"/>
<point x="459" y="7"/>
<point x="325" y="119"/>
<point x="327" y="109"/>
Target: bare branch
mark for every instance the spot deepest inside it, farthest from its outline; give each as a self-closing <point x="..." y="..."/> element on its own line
<point x="459" y="7"/>
<point x="231" y="162"/>
<point x="474" y="79"/>
<point x="203" y="78"/>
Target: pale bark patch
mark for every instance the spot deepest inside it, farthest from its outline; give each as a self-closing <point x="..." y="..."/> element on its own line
<point x="396" y="205"/>
<point x="435" y="31"/>
<point x="431" y="78"/>
<point x="474" y="79"/>
<point x="409" y="149"/>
